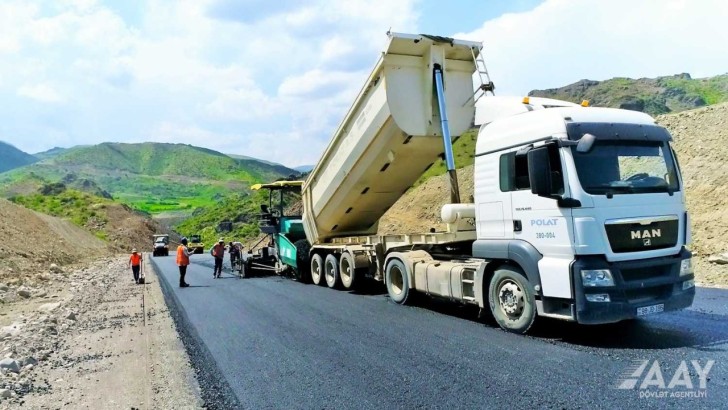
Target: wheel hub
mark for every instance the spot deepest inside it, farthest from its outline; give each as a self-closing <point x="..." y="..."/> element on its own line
<point x="511" y="299"/>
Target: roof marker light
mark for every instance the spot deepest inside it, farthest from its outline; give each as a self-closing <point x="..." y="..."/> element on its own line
<point x="585" y="103"/>
<point x="525" y="100"/>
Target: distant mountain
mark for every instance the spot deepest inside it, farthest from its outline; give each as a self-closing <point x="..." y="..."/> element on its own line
<point x="11" y="157"/>
<point x="50" y="153"/>
<point x="651" y="95"/>
<point x="153" y="177"/>
<point x="238" y="156"/>
<point x="304" y="168"/>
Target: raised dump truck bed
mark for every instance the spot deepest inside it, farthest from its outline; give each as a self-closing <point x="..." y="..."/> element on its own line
<point x="390" y="136"/>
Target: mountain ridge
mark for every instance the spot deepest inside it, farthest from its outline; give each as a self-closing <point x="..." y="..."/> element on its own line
<point x="655" y="96"/>
<point x="11" y="157"/>
<point x="152" y="177"/>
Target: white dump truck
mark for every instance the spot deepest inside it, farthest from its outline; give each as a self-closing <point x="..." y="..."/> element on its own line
<point x="578" y="214"/>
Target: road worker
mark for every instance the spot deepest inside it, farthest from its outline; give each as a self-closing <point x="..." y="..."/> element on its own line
<point x="218" y="251"/>
<point x="183" y="260"/>
<point x="135" y="262"/>
<point x="234" y="254"/>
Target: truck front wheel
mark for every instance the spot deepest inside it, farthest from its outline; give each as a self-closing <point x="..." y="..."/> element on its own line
<point x="317" y="269"/>
<point x="511" y="300"/>
<point x="331" y="270"/>
<point x="397" y="281"/>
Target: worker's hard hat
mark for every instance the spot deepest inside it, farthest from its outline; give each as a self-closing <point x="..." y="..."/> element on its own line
<point x="221" y="241"/>
<point x="134" y="250"/>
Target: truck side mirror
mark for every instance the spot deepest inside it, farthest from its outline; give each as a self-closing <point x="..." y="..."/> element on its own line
<point x="539" y="171"/>
<point x="586" y="143"/>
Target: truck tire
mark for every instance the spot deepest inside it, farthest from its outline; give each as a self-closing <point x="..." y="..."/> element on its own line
<point x="302" y="269"/>
<point x="246" y="269"/>
<point x="397" y="282"/>
<point x="317" y="269"/>
<point x="511" y="299"/>
<point x="347" y="273"/>
<point x="331" y="271"/>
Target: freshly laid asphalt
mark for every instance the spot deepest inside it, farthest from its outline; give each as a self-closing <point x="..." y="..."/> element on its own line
<point x="271" y="342"/>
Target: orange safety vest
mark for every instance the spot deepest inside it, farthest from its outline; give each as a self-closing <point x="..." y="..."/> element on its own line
<point x="182" y="259"/>
<point x="218" y="251"/>
<point x="135" y="259"/>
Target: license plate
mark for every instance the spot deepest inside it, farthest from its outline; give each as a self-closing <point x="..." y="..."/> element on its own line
<point x="648" y="310"/>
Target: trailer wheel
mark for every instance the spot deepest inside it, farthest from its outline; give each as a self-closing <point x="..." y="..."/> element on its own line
<point x="347" y="271"/>
<point x="511" y="300"/>
<point x="397" y="282"/>
<point x="317" y="269"/>
<point x="303" y="265"/>
<point x="331" y="271"/>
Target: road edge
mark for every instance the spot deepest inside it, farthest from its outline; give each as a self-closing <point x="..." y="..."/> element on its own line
<point x="215" y="389"/>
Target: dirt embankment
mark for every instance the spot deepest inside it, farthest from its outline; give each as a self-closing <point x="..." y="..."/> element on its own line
<point x="30" y="242"/>
<point x="701" y="142"/>
<point x="127" y="229"/>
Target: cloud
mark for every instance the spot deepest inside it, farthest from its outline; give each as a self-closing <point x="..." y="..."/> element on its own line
<point x="40" y="92"/>
<point x="224" y="74"/>
<point x="273" y="79"/>
<point x="563" y="41"/>
<point x="248" y="11"/>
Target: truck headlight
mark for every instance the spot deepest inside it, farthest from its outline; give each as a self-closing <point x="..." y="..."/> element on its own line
<point x="688" y="284"/>
<point x="596" y="277"/>
<point x="686" y="267"/>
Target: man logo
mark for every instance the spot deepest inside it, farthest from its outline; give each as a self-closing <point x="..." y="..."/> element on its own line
<point x="647" y="233"/>
<point x="647" y="242"/>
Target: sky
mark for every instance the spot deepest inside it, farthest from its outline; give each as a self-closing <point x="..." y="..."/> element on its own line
<point x="272" y="79"/>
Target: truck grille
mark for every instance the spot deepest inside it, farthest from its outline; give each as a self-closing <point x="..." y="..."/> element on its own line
<point x="647" y="294"/>
<point x="637" y="236"/>
<point x="641" y="274"/>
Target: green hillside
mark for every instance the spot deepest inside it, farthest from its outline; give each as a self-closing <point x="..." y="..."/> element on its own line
<point x="151" y="177"/>
<point x="80" y="208"/>
<point x="651" y="95"/>
<point x="53" y="152"/>
<point x="242" y="210"/>
<point x="155" y="159"/>
<point x="463" y="149"/>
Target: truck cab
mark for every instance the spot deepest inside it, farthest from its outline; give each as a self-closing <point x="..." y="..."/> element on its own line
<point x="160" y="246"/>
<point x="589" y="203"/>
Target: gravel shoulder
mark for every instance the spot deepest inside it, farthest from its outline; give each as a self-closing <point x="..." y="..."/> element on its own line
<point x="95" y="340"/>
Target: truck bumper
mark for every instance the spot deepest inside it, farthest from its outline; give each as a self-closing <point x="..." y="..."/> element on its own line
<point x="654" y="284"/>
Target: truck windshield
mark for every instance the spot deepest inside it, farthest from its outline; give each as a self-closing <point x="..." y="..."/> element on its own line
<point x="626" y="167"/>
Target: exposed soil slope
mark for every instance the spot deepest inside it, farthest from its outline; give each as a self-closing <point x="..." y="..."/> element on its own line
<point x="32" y="241"/>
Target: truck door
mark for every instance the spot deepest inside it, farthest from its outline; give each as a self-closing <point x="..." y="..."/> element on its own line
<point x="541" y="222"/>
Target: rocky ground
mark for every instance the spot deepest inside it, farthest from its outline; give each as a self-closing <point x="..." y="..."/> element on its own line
<point x="90" y="337"/>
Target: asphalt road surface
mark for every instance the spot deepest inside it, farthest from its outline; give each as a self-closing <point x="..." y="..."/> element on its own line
<point x="270" y="342"/>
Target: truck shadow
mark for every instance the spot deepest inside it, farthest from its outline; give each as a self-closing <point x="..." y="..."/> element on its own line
<point x="671" y="331"/>
<point x="369" y="288"/>
<point x="702" y="331"/>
